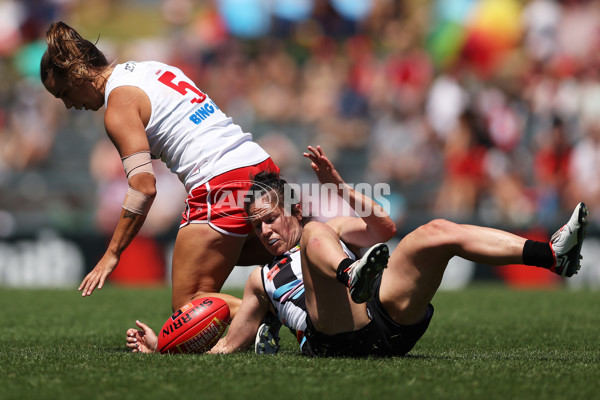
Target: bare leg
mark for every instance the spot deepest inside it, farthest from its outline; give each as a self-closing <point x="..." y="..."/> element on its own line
<point x="202" y="260"/>
<point x="417" y="265"/>
<point x="328" y="302"/>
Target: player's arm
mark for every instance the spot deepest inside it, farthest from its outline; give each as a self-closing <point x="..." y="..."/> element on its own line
<point x="243" y="328"/>
<point x="127" y="112"/>
<point x="374" y="224"/>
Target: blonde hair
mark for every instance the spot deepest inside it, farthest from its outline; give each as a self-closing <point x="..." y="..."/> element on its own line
<point x="69" y="55"/>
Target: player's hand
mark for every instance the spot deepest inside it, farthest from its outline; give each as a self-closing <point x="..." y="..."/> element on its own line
<point x="142" y="341"/>
<point x="96" y="278"/>
<point x="323" y="167"/>
<point x="219" y="348"/>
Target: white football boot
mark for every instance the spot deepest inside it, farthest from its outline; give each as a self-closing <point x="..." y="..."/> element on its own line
<point x="566" y="243"/>
<point x="362" y="273"/>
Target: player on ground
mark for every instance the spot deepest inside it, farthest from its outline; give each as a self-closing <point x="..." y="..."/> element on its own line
<point x="340" y="306"/>
<point x="153" y="111"/>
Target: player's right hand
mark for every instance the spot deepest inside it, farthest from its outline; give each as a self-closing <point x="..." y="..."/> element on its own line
<point x="95" y="279"/>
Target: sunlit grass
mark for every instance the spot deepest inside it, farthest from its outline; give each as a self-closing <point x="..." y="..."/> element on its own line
<point x="483" y="342"/>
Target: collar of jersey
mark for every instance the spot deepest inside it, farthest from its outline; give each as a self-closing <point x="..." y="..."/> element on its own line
<point x="293" y="249"/>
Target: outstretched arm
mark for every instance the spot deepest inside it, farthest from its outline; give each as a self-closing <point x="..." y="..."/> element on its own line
<point x="374" y="224"/>
<point x="244" y="325"/>
<point x="127" y="111"/>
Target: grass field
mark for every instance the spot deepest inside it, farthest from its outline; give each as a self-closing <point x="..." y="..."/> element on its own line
<point x="483" y="343"/>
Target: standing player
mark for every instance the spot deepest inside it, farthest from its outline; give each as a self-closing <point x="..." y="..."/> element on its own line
<point x="153" y="111"/>
<point x="340" y="306"/>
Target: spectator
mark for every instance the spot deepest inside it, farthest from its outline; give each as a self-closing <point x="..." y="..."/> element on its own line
<point x="370" y="86"/>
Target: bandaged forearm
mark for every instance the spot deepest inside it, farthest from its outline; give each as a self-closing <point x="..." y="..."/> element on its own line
<point x="137" y="202"/>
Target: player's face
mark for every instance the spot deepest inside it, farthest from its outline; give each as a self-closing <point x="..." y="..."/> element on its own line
<point x="81" y="95"/>
<point x="277" y="230"/>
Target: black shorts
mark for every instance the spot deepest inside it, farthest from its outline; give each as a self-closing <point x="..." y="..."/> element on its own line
<point x="382" y="337"/>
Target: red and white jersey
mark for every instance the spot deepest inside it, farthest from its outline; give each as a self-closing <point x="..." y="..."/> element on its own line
<point x="186" y="130"/>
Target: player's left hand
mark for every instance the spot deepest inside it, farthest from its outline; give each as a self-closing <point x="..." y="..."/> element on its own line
<point x="142" y="341"/>
<point x="323" y="167"/>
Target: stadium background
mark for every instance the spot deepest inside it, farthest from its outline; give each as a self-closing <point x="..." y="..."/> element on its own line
<point x="479" y="111"/>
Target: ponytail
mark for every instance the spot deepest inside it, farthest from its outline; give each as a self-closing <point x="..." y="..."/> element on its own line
<point x="69" y="55"/>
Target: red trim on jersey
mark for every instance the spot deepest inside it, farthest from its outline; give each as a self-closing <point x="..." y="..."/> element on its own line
<point x="217" y="202"/>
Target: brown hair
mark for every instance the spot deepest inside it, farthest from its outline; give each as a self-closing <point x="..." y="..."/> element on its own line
<point x="69" y="55"/>
<point x="267" y="182"/>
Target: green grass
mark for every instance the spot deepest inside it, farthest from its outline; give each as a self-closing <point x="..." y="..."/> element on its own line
<point x="483" y="343"/>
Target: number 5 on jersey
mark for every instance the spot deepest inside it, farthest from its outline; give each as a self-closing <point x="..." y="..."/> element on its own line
<point x="182" y="87"/>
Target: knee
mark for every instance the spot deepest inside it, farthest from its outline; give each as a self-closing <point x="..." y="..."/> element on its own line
<point x="437" y="232"/>
<point x="198" y="287"/>
<point x="440" y="226"/>
<point x="319" y="244"/>
<point x="314" y="228"/>
<point x="312" y="234"/>
<point x="179" y="301"/>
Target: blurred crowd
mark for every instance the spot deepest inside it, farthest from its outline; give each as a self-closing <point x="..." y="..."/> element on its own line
<point x="474" y="110"/>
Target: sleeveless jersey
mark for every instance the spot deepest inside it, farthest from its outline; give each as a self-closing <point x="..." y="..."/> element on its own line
<point x="282" y="281"/>
<point x="186" y="130"/>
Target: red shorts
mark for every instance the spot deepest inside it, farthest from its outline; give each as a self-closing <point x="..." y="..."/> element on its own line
<point x="219" y="202"/>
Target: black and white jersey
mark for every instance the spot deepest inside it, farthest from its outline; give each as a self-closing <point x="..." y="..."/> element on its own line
<point x="283" y="283"/>
<point x="282" y="280"/>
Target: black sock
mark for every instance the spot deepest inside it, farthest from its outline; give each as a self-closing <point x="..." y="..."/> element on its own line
<point x="538" y="254"/>
<point x="342" y="275"/>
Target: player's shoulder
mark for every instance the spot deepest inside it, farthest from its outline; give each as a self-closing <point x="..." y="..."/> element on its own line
<point x="132" y="74"/>
<point x="131" y="68"/>
<point x="256" y="276"/>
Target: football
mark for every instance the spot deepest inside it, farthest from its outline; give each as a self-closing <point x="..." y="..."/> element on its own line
<point x="195" y="327"/>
